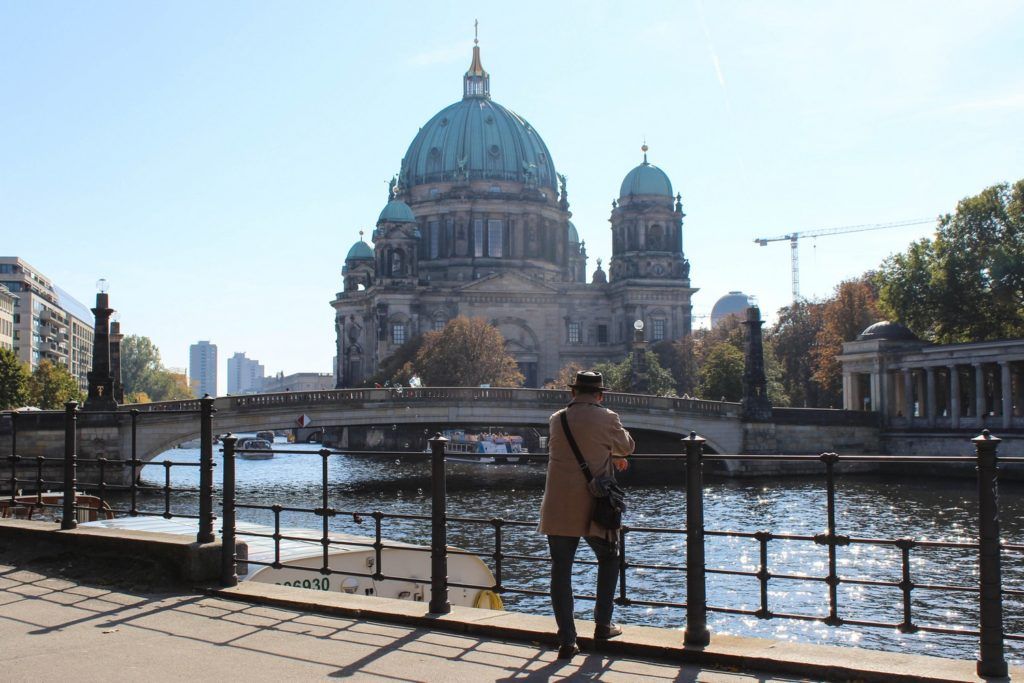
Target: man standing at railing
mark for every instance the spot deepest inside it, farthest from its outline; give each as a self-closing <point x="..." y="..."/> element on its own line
<point x="568" y="505"/>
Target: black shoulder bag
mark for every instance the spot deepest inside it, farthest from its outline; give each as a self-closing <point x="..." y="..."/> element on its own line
<point x="611" y="499"/>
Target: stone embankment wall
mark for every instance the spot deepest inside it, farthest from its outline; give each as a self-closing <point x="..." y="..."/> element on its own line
<point x="42" y="435"/>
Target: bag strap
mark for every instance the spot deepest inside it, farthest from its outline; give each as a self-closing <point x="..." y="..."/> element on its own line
<point x="575" y="449"/>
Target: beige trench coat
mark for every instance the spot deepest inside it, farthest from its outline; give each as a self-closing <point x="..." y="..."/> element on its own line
<point x="568" y="505"/>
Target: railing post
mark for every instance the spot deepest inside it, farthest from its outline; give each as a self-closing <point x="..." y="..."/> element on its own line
<point x="14" y="454"/>
<point x="228" y="576"/>
<point x="438" y="529"/>
<point x="69" y="519"/>
<point x="991" y="662"/>
<point x="135" y="464"/>
<point x="696" y="590"/>
<point x="205" y="534"/>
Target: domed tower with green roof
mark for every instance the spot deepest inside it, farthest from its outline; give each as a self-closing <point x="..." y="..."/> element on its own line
<point x="484" y="190"/>
<point x="647" y="247"/>
<point x="647" y="227"/>
<point x="358" y="270"/>
<point x="396" y="245"/>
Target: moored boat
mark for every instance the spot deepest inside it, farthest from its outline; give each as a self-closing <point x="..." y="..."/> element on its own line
<point x="404" y="567"/>
<point x="50" y="505"/>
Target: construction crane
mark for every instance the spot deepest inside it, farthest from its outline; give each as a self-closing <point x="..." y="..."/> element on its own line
<point x="794" y="237"/>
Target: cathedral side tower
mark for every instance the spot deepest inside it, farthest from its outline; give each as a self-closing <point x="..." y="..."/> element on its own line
<point x="648" y="269"/>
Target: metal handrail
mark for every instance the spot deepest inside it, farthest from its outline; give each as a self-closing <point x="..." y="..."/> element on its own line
<point x="69" y="483"/>
<point x="989" y="547"/>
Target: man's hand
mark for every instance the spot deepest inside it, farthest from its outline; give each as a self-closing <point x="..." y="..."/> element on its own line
<point x="620" y="464"/>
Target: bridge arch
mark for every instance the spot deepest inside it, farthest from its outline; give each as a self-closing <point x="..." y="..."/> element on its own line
<point x="158" y="429"/>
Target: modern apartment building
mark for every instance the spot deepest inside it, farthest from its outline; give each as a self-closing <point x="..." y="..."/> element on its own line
<point x="245" y="375"/>
<point x="49" y="324"/>
<point x="7" y="301"/>
<point x="202" y="368"/>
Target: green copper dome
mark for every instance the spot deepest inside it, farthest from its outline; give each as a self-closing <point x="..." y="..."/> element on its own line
<point x="360" y="251"/>
<point x="574" y="236"/>
<point x="646" y="179"/>
<point x="477" y="139"/>
<point x="397" y="211"/>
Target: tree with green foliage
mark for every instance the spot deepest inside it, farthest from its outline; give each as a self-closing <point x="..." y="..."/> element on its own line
<point x="967" y="283"/>
<point x="791" y="342"/>
<point x="140" y="361"/>
<point x="619" y="376"/>
<point x="679" y="358"/>
<point x="467" y="352"/>
<point x="721" y="373"/>
<point x="50" y="386"/>
<point x="143" y="374"/>
<point x="13" y="381"/>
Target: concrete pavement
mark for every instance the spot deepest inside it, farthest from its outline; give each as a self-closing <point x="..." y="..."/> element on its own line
<point x="52" y="627"/>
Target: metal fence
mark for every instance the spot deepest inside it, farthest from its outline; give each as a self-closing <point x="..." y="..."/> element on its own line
<point x="60" y="474"/>
<point x="988" y="593"/>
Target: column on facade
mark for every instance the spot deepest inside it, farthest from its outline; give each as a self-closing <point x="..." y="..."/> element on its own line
<point x="923" y="407"/>
<point x="908" y="393"/>
<point x="875" y="390"/>
<point x="1018" y="390"/>
<point x="848" y="391"/>
<point x="979" y="391"/>
<point x="930" y="408"/>
<point x="1006" y="393"/>
<point x="954" y="397"/>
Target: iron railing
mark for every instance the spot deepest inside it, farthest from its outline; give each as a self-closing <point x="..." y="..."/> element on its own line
<point x="988" y="592"/>
<point x="71" y="466"/>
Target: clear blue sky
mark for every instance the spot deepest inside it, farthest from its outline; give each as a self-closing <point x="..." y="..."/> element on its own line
<point x="215" y="161"/>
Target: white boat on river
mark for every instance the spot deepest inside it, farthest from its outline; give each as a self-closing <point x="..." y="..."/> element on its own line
<point x="406" y="565"/>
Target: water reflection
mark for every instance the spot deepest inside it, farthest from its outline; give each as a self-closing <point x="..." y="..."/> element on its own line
<point x="867" y="507"/>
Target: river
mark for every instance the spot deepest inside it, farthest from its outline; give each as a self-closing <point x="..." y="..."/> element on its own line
<point x="867" y="506"/>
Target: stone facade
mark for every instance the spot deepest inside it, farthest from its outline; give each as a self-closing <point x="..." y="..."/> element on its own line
<point x="476" y="225"/>
<point x="298" y="381"/>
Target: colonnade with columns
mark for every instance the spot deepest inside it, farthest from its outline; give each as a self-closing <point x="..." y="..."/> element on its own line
<point x="952" y="393"/>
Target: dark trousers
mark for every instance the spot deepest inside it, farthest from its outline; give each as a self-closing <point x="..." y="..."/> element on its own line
<point x="563" y="553"/>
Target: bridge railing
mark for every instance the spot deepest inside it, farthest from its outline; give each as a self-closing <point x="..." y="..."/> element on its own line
<point x="76" y="488"/>
<point x="987" y="593"/>
<point x="532" y="397"/>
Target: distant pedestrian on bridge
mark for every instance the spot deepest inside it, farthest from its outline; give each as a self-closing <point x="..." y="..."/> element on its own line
<point x="567" y="508"/>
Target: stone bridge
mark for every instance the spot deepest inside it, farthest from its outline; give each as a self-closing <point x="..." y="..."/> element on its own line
<point x="155" y="427"/>
<point x="159" y="429"/>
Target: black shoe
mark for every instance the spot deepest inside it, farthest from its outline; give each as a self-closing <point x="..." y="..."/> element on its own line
<point x="604" y="632"/>
<point x="568" y="651"/>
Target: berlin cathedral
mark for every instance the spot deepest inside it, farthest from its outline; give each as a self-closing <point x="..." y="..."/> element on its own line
<point x="477" y="223"/>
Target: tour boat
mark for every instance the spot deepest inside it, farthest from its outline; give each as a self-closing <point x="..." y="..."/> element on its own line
<point x="255" y="449"/>
<point x="484" y="449"/>
<point x="406" y="566"/>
